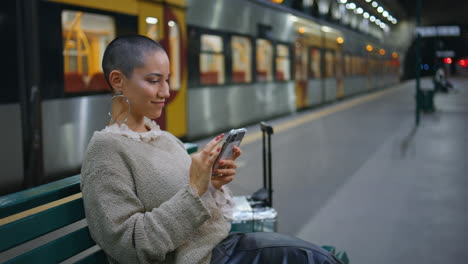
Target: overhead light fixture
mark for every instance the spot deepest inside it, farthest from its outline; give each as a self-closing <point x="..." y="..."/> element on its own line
<point x="342" y="1"/>
<point x="359" y="10"/>
<point x="368" y="1"/>
<point x="372" y="18"/>
<point x="366" y="15"/>
<point x="375" y="4"/>
<point x="377" y="22"/>
<point x="151" y="20"/>
<point x="385" y="14"/>
<point x="380" y="9"/>
<point x="171" y="23"/>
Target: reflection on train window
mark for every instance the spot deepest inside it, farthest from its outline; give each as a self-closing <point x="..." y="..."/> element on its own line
<point x="152" y="28"/>
<point x="329" y="64"/>
<point x="85" y="37"/>
<point x="282" y="63"/>
<point x="264" y="60"/>
<point x="315" y="60"/>
<point x="174" y="55"/>
<point x="241" y="59"/>
<point x="211" y="60"/>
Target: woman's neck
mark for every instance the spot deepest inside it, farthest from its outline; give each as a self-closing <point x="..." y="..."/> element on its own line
<point x="136" y="124"/>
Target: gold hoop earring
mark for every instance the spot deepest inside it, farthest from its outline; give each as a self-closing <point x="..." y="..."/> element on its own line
<point x="119" y="95"/>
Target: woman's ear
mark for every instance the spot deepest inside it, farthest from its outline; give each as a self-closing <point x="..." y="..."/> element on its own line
<point x="116" y="79"/>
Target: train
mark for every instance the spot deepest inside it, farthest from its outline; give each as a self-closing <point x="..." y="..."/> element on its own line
<point x="233" y="63"/>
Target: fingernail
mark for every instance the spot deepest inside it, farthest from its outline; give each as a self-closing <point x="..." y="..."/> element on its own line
<point x="218" y="149"/>
<point x="216" y="171"/>
<point x="221" y="162"/>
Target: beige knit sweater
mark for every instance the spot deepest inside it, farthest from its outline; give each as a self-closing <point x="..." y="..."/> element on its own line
<point x="139" y="206"/>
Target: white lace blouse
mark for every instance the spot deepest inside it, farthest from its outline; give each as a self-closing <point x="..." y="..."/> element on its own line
<point x="222" y="197"/>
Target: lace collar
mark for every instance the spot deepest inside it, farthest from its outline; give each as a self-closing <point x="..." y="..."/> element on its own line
<point x="123" y="130"/>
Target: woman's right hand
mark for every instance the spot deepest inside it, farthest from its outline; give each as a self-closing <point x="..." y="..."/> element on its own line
<point x="201" y="168"/>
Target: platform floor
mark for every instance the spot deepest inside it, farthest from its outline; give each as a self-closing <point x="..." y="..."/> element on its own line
<point x="360" y="176"/>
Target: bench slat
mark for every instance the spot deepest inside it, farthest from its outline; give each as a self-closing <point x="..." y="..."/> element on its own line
<point x="97" y="257"/>
<point x="58" y="250"/>
<point x="33" y="226"/>
<point x="24" y="200"/>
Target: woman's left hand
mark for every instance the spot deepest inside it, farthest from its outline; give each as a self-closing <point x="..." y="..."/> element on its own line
<point x="226" y="172"/>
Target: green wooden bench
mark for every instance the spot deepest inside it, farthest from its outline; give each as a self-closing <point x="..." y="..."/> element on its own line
<point x="32" y="213"/>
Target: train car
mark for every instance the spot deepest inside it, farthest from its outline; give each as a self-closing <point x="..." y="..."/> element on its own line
<point x="233" y="63"/>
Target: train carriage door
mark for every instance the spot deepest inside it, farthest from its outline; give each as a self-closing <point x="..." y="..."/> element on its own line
<point x="165" y="23"/>
<point x="300" y="68"/>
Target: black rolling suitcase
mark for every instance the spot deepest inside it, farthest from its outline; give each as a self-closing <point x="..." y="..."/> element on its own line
<point x="255" y="213"/>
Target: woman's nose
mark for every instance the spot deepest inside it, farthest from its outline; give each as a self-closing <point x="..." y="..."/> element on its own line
<point x="164" y="92"/>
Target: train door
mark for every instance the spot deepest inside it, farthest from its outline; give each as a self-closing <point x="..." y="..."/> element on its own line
<point x="165" y="23"/>
<point x="300" y="68"/>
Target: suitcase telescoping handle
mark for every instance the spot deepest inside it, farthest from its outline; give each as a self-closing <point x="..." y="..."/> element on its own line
<point x="267" y="131"/>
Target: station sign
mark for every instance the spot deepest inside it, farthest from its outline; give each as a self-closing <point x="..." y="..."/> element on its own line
<point x="445" y="54"/>
<point x="438" y="31"/>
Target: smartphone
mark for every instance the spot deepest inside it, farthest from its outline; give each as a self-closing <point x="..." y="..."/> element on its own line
<point x="233" y="139"/>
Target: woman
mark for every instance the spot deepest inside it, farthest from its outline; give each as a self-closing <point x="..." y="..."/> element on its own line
<point x="146" y="200"/>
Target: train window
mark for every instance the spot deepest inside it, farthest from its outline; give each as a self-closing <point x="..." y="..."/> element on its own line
<point x="241" y="59"/>
<point x="282" y="63"/>
<point x="347" y="65"/>
<point x="300" y="61"/>
<point x="211" y="60"/>
<point x="264" y="60"/>
<point x="174" y="54"/>
<point x="85" y="37"/>
<point x="315" y="59"/>
<point x="329" y="64"/>
<point x="363" y="66"/>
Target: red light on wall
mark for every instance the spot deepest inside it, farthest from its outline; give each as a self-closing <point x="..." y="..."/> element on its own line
<point x="448" y="60"/>
<point x="463" y="63"/>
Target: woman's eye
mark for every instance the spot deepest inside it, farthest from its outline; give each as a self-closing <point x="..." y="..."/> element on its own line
<point x="153" y="81"/>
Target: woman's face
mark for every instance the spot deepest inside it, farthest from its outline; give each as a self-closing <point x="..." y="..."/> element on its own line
<point x="148" y="86"/>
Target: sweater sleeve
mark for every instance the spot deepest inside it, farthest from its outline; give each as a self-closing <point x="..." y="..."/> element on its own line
<point x="118" y="220"/>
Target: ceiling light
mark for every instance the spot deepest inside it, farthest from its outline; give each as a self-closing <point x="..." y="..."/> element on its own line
<point x="360" y="10"/>
<point x="151" y="20"/>
<point x="375" y="4"/>
<point x="343" y="1"/>
<point x="372" y="18"/>
<point x="368" y="1"/>
<point x="385" y="14"/>
<point x="380" y="9"/>
<point x="366" y="15"/>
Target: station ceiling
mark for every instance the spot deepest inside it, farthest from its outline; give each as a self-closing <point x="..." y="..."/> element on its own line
<point x="436" y="12"/>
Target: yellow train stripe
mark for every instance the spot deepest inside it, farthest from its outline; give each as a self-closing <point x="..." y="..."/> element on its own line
<point x="39" y="209"/>
<point x="252" y="137"/>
